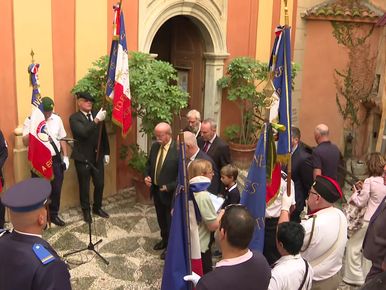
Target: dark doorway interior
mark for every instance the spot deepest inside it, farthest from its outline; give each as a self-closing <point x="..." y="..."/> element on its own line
<point x="179" y="42"/>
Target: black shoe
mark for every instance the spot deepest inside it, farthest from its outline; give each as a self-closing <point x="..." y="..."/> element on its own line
<point x="160" y="245"/>
<point x="163" y="255"/>
<point x="87" y="216"/>
<point x="58" y="221"/>
<point x="101" y="213"/>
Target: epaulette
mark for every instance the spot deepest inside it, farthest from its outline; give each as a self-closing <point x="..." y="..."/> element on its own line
<point x="3" y="232"/>
<point x="43" y="254"/>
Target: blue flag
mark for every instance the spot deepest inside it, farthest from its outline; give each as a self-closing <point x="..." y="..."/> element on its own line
<point x="177" y="262"/>
<point x="254" y="193"/>
<point x="281" y="111"/>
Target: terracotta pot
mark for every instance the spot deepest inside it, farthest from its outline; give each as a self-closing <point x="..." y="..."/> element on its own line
<point x="142" y="192"/>
<point x="242" y="154"/>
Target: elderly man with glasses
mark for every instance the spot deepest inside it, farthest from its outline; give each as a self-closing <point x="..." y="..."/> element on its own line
<point x="325" y="232"/>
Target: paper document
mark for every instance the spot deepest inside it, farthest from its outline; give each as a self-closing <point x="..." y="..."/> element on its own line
<point x="217" y="201"/>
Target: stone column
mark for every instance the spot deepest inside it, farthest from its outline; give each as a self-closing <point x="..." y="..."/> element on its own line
<point x="214" y="70"/>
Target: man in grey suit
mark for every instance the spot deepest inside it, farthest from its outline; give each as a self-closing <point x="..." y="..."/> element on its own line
<point x="85" y="126"/>
<point x="194" y="152"/>
<point x="161" y="177"/>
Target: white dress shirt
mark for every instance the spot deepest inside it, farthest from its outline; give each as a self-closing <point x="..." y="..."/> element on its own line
<point x="288" y="274"/>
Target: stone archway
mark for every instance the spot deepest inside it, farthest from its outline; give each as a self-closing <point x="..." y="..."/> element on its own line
<point x="210" y="17"/>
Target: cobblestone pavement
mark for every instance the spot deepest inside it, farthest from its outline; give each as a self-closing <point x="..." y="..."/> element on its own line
<point x="127" y="243"/>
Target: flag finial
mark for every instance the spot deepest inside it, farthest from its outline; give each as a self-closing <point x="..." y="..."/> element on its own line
<point x="286" y="15"/>
<point x="32" y="55"/>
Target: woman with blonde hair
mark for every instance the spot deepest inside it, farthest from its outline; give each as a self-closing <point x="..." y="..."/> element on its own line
<point x="200" y="174"/>
<point x="368" y="194"/>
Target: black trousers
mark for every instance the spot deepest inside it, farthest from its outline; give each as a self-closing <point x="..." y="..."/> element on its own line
<point x="85" y="172"/>
<point x="206" y="259"/>
<point x="162" y="210"/>
<point x="56" y="185"/>
<point x="270" y="251"/>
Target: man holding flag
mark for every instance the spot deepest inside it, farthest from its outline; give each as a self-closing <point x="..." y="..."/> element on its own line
<point x="118" y="85"/>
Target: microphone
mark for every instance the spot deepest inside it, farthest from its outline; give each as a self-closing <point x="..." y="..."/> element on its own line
<point x="66" y="139"/>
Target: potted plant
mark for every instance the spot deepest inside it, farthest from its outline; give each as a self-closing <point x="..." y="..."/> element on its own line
<point x="242" y="77"/>
<point x="136" y="161"/>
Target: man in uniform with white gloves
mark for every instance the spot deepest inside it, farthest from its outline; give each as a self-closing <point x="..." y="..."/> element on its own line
<point x="56" y="132"/>
<point x="85" y="126"/>
<point x="325" y="232"/>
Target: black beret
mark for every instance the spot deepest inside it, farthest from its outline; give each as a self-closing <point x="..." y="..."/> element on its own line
<point x="27" y="195"/>
<point x="48" y="104"/>
<point x="327" y="188"/>
<point x="85" y="95"/>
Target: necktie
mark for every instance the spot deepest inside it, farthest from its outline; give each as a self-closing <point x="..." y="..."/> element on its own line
<point x="206" y="146"/>
<point x="89" y="117"/>
<point x="159" y="164"/>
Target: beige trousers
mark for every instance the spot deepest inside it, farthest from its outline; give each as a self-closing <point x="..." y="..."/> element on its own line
<point x="356" y="266"/>
<point x="331" y="283"/>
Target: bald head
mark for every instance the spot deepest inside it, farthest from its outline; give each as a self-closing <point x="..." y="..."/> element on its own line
<point x="29" y="222"/>
<point x="321" y="133"/>
<point x="163" y="133"/>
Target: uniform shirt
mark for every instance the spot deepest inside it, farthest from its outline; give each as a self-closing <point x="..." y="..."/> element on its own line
<point x="288" y="274"/>
<point x="55" y="129"/>
<point x="274" y="209"/>
<point x="20" y="268"/>
<point x="328" y="224"/>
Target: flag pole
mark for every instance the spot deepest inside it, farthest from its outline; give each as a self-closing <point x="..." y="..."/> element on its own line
<point x="186" y="201"/>
<point x="289" y="166"/>
<point x="103" y="106"/>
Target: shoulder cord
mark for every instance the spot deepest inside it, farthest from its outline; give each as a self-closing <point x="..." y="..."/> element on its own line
<point x="312" y="233"/>
<point x="305" y="275"/>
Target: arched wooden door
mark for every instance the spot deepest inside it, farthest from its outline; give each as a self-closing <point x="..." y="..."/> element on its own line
<point x="179" y="42"/>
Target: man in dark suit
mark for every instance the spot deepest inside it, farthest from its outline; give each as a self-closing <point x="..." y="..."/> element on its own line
<point x="161" y="177"/>
<point x="374" y="244"/>
<point x="27" y="261"/>
<point x="3" y="158"/>
<point x="194" y="152"/>
<point x="213" y="145"/>
<point x="194" y="122"/>
<point x="85" y="125"/>
<point x="301" y="172"/>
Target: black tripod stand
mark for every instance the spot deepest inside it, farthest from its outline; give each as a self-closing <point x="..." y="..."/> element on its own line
<point x="91" y="247"/>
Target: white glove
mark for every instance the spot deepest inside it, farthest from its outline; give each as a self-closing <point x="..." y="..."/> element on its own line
<point x="66" y="162"/>
<point x="194" y="278"/>
<point x="286" y="201"/>
<point x="107" y="159"/>
<point x="101" y="115"/>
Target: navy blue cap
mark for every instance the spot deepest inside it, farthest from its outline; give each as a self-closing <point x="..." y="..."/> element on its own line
<point x="27" y="195"/>
<point x="85" y="95"/>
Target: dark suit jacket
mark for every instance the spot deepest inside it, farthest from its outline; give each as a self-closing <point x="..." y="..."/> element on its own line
<point x="86" y="135"/>
<point x="216" y="181"/>
<point x="374" y="244"/>
<point x="168" y="174"/>
<point x="302" y="171"/>
<point x="218" y="151"/>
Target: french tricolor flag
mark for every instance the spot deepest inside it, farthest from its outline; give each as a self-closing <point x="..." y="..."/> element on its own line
<point x="118" y="85"/>
<point x="39" y="153"/>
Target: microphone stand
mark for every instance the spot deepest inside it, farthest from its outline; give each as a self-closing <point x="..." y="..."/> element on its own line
<point x="91" y="245"/>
